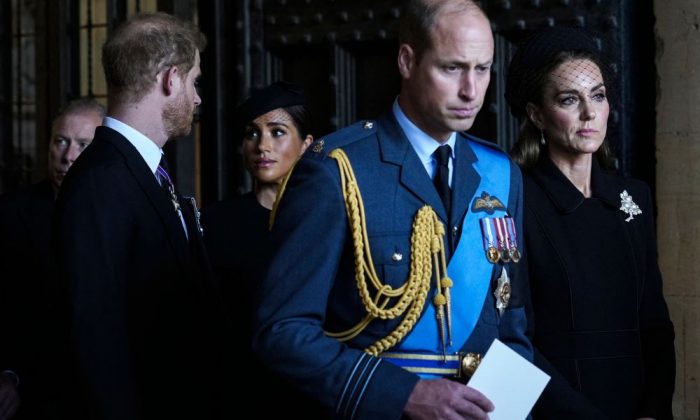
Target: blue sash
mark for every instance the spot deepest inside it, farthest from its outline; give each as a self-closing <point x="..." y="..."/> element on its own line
<point x="469" y="269"/>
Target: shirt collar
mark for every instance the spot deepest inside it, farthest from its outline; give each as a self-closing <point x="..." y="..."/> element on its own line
<point x="148" y="150"/>
<point x="422" y="143"/>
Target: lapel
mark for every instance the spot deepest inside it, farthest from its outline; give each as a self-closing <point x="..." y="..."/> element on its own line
<point x="465" y="179"/>
<point x="153" y="191"/>
<point x="396" y="149"/>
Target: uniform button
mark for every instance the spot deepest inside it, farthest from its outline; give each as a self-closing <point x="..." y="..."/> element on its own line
<point x="454" y="230"/>
<point x="397" y="256"/>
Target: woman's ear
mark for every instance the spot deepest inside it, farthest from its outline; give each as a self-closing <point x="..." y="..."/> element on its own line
<point x="307" y="142"/>
<point x="534" y="114"/>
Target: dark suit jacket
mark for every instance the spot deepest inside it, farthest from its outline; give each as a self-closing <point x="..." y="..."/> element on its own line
<point x="25" y="229"/>
<point x="311" y="285"/>
<point x="143" y="317"/>
<point x="601" y="323"/>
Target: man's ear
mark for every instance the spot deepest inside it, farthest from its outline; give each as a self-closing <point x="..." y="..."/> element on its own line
<point x="406" y="60"/>
<point x="535" y="115"/>
<point x="170" y="78"/>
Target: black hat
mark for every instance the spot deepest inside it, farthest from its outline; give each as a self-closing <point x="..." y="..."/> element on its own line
<point x="263" y="100"/>
<point x="537" y="52"/>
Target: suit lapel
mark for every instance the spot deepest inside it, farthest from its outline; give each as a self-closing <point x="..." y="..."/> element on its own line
<point x="147" y="181"/>
<point x="465" y="179"/>
<point x="396" y="149"/>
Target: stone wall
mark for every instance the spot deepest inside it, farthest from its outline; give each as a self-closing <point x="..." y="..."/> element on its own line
<point x="678" y="186"/>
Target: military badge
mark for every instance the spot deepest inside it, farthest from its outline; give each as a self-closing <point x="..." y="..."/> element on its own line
<point x="628" y="206"/>
<point x="487" y="203"/>
<point x="318" y="146"/>
<point x="502" y="292"/>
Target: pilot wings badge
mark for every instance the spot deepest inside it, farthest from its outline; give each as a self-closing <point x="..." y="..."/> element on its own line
<point x="487" y="203"/>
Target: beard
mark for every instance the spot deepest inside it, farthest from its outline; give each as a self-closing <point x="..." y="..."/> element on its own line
<point x="177" y="117"/>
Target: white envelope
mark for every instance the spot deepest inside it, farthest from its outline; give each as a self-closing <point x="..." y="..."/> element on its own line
<point x="511" y="382"/>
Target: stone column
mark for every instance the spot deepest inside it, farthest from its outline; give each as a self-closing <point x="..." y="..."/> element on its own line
<point x="678" y="187"/>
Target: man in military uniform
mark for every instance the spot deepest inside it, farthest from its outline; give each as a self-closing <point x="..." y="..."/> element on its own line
<point x="414" y="228"/>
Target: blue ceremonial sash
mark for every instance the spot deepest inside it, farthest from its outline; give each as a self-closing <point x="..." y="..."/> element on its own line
<point x="469" y="269"/>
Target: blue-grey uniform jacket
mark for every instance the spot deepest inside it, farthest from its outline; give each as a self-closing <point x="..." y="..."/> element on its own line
<point x="310" y="285"/>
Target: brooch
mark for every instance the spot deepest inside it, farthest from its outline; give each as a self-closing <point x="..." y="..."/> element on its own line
<point x="628" y="206"/>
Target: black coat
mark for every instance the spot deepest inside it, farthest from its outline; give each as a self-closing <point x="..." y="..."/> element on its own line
<point x="601" y="325"/>
<point x="143" y="317"/>
<point x="237" y="236"/>
<point x="25" y="229"/>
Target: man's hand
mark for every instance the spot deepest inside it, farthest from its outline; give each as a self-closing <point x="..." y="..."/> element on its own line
<point x="445" y="399"/>
<point x="9" y="400"/>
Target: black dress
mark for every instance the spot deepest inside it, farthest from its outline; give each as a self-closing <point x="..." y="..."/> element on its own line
<point x="236" y="234"/>
<point x="601" y="325"/>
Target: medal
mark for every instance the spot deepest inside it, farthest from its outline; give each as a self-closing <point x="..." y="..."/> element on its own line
<point x="514" y="252"/>
<point x="502" y="292"/>
<point x="492" y="253"/>
<point x="501" y="232"/>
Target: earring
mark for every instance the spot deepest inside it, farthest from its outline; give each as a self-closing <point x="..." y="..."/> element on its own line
<point x="542" y="140"/>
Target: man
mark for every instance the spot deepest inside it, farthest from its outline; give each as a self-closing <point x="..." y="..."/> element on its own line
<point x="25" y="230"/>
<point x="143" y="315"/>
<point x="339" y="319"/>
<point x="9" y="400"/>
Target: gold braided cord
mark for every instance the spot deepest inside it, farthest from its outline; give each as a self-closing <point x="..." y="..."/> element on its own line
<point x="426" y="245"/>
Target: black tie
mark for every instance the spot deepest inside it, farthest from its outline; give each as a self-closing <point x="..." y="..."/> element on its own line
<point x="442" y="174"/>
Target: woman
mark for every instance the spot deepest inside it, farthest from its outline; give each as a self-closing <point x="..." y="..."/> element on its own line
<point x="601" y="325"/>
<point x="273" y="123"/>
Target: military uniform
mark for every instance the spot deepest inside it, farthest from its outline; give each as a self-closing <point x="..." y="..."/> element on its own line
<point x="311" y="289"/>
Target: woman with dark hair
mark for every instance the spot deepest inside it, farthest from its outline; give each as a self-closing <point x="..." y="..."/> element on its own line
<point x="274" y="126"/>
<point x="599" y="320"/>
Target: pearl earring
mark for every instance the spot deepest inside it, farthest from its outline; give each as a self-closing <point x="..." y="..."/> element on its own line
<point x="542" y="140"/>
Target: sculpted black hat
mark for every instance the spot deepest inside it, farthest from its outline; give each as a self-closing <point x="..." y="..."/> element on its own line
<point x="535" y="54"/>
<point x="263" y="100"/>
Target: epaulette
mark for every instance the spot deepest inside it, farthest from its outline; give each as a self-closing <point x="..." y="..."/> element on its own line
<point x="483" y="142"/>
<point x="322" y="146"/>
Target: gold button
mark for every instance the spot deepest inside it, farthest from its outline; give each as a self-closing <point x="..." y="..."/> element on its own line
<point x="470" y="362"/>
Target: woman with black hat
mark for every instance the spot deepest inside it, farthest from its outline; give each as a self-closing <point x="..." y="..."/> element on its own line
<point x="600" y="322"/>
<point x="273" y="124"/>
